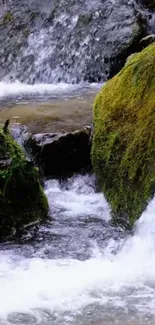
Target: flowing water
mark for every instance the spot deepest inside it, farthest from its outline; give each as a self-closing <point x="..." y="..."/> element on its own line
<point x="78" y="269"/>
<point x="47" y="107"/>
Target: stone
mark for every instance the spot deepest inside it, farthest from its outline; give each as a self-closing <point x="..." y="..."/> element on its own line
<point x="75" y="41"/>
<point x="149" y="4"/>
<point x="123" y="151"/>
<point x="22" y="200"/>
<point x="61" y="154"/>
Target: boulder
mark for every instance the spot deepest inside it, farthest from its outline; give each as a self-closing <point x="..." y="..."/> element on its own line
<point x="22" y="200"/>
<point x="61" y="154"/>
<point x="70" y="41"/>
<point x="149" y="4"/>
<point x="123" y="151"/>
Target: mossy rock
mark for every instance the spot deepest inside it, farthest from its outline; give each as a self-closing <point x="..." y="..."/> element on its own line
<point x="22" y="200"/>
<point x="8" y="17"/>
<point x="123" y="151"/>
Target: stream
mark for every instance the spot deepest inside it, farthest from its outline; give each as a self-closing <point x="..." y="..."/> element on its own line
<point x="79" y="269"/>
<point x="47" y="107"/>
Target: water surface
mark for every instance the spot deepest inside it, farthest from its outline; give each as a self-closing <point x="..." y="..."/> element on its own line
<point x="80" y="269"/>
<point x="77" y="269"/>
<point x="48" y="108"/>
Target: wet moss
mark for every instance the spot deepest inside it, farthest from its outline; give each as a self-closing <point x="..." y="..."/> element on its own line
<point x="8" y="17"/>
<point x="123" y="151"/>
<point x="22" y="199"/>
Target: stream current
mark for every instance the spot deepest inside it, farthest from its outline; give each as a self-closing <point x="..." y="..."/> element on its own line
<point x="79" y="269"/>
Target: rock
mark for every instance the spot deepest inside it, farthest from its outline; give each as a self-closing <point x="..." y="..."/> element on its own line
<point x="149" y="39"/>
<point x="22" y="200"/>
<point x="99" y="37"/>
<point x="149" y="4"/>
<point x="59" y="154"/>
<point x="123" y="151"/>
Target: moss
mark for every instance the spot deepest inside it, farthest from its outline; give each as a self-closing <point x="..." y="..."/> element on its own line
<point x="22" y="199"/>
<point x="123" y="151"/>
<point x="8" y="17"/>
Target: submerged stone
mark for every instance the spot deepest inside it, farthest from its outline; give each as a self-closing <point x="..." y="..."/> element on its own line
<point x="61" y="154"/>
<point x="123" y="151"/>
<point x="22" y="200"/>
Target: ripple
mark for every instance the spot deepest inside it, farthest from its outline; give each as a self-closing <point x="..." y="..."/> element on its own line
<point x="21" y="318"/>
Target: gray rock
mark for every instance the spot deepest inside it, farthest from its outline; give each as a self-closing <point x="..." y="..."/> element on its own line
<point x="70" y="41"/>
<point x="149" y="4"/>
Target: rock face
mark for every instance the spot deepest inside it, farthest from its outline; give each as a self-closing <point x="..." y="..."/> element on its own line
<point x="70" y="41"/>
<point x="61" y="155"/>
<point x="123" y="152"/>
<point x="22" y="200"/>
<point x="150" y="4"/>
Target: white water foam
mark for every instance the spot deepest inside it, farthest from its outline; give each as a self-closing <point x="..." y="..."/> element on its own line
<point x="17" y="88"/>
<point x="53" y="90"/>
<point x="77" y="198"/>
<point x="124" y="279"/>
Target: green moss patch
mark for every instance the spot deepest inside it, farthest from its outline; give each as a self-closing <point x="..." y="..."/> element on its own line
<point x="8" y="17"/>
<point x="22" y="199"/>
<point x="123" y="151"/>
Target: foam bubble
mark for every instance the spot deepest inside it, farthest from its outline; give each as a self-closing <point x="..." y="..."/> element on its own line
<point x="77" y="198"/>
<point x="125" y="279"/>
<point x="53" y="90"/>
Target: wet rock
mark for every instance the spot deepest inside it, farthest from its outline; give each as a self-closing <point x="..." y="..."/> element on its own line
<point x="148" y="40"/>
<point x="22" y="201"/>
<point x="123" y="151"/>
<point x="61" y="155"/>
<point x="149" y="4"/>
<point x="73" y="41"/>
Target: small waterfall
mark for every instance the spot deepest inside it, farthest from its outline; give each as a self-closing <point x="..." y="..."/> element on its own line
<point x="80" y="269"/>
<point x="39" y="285"/>
<point x="67" y="42"/>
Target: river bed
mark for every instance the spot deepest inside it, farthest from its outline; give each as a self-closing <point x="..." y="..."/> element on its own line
<point x="78" y="269"/>
<point x="47" y="108"/>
